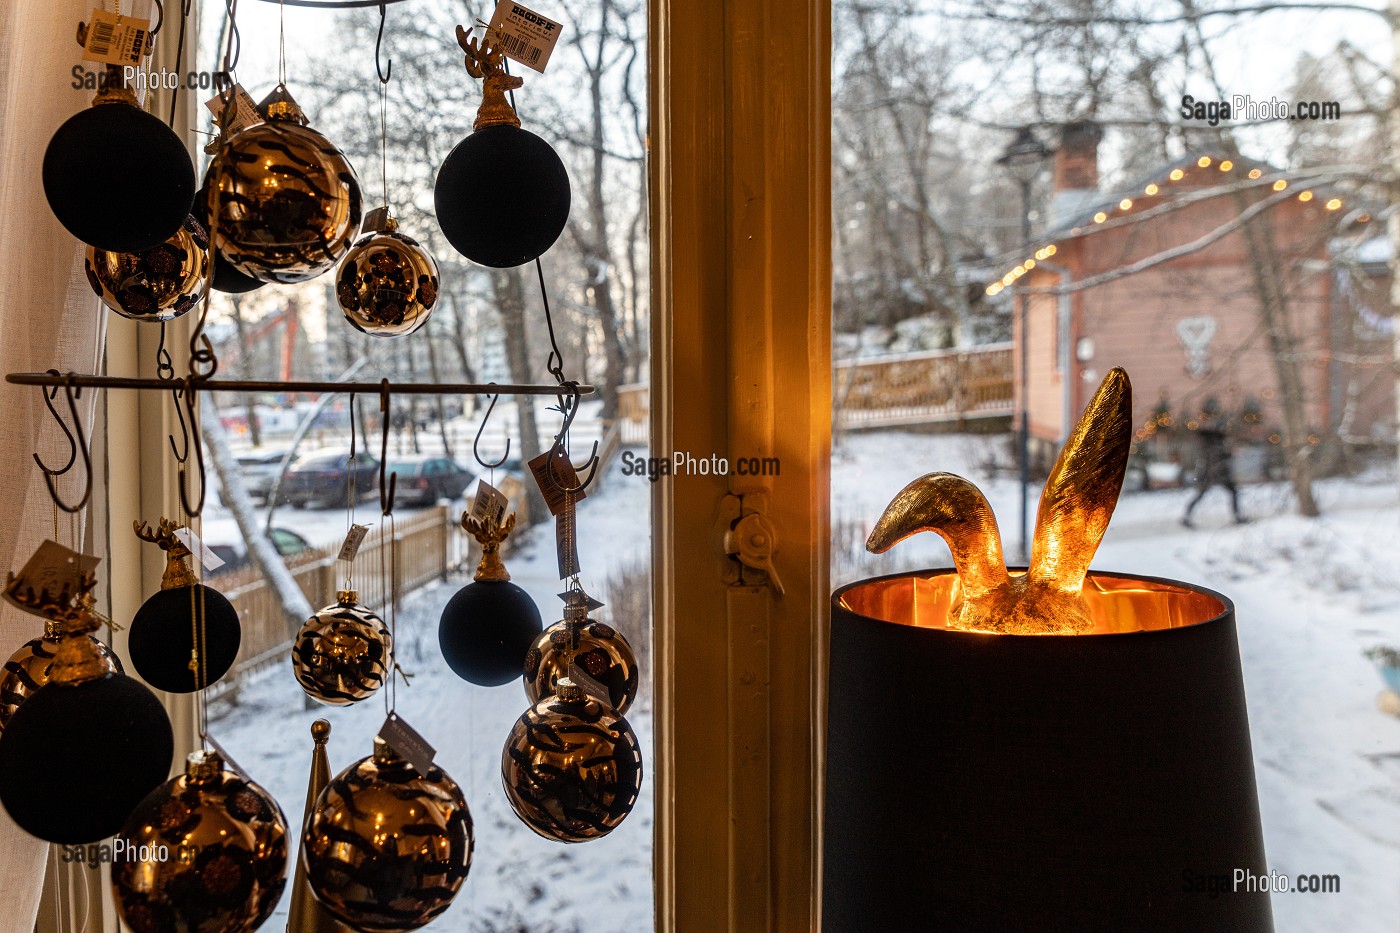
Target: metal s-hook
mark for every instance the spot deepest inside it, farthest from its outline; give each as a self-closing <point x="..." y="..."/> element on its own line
<point x="388" y="480"/>
<point x="76" y="440"/>
<point x="475" y="451"/>
<point x="180" y="457"/>
<point x="570" y="410"/>
<point x="192" y="435"/>
<point x="388" y="69"/>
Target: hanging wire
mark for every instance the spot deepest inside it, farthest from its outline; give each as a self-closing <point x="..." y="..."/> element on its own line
<point x="185" y="7"/>
<point x="388" y="480"/>
<point x="233" y="46"/>
<point x="281" y="43"/>
<point x="352" y="490"/>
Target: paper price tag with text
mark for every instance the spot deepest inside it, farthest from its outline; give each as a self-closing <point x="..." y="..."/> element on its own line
<point x="410" y="746"/>
<point x="589" y="684"/>
<point x="229" y="763"/>
<point x="524" y="35"/>
<point x="115" y="40"/>
<point x="553" y="472"/>
<point x="489" y="505"/>
<point x="353" y="540"/>
<point x="243" y="112"/>
<point x="50" y="579"/>
<point x="207" y="558"/>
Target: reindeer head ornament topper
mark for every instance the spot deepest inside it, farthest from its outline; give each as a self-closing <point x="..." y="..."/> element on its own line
<point x="1074" y="512"/>
<point x="486" y="60"/>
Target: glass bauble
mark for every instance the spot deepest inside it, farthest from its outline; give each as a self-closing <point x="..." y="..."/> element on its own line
<point x="159" y="284"/>
<point x="572" y="766"/>
<point x="27" y="670"/>
<point x="388" y="283"/>
<point x="343" y="653"/>
<point x="387" y="849"/>
<point x="288" y="201"/>
<point x="592" y="648"/>
<point x="205" y="851"/>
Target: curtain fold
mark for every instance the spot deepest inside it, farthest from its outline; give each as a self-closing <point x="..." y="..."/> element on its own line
<point x="49" y="318"/>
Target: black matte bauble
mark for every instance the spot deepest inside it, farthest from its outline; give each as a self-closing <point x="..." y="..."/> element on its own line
<point x="118" y="178"/>
<point x="227" y="278"/>
<point x="163" y="633"/>
<point x="76" y="759"/>
<point x="515" y="169"/>
<point x="485" y="631"/>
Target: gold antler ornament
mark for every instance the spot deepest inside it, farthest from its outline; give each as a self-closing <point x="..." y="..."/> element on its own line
<point x="177" y="568"/>
<point x="1074" y="512"/>
<point x="486" y="60"/>
<point x="490" y="534"/>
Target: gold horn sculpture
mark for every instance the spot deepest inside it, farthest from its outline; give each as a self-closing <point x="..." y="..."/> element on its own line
<point x="307" y="915"/>
<point x="1074" y="512"/>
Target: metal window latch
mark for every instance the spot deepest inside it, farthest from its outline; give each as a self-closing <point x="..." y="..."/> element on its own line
<point x="750" y="538"/>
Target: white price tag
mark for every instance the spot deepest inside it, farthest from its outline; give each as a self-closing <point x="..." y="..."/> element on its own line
<point x="489" y="505"/>
<point x="524" y="35"/>
<point x="50" y="579"/>
<point x="115" y="40"/>
<point x="588" y="684"/>
<point x="207" y="558"/>
<point x="243" y="114"/>
<point x="410" y="746"/>
<point x="353" y="540"/>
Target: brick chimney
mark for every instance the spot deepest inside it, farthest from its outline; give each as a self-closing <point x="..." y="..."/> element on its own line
<point x="1077" y="158"/>
<point x="1076" y="170"/>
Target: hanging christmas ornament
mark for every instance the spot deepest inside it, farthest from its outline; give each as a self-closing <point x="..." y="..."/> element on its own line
<point x="343" y="653"/>
<point x="489" y="624"/>
<point x="388" y="283"/>
<point x="593" y="654"/>
<point x="288" y="202"/>
<point x="158" y="285"/>
<point x="572" y="767"/>
<point x="186" y="636"/>
<point x="500" y="157"/>
<point x="227" y="279"/>
<point x="386" y="848"/>
<point x="28" y="669"/>
<point x="205" y="851"/>
<point x="116" y="177"/>
<point x="87" y="721"/>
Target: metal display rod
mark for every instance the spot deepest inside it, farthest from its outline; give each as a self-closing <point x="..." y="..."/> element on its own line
<point x="85" y="381"/>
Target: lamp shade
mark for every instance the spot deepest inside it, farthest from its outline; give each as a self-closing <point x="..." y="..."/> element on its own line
<point x="980" y="781"/>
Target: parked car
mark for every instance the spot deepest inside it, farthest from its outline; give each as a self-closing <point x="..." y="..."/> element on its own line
<point x="325" y="478"/>
<point x="225" y="541"/>
<point x="259" y="471"/>
<point x="424" y="479"/>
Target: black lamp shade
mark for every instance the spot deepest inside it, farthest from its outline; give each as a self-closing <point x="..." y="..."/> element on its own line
<point x="486" y="630"/>
<point x="1006" y="782"/>
<point x="502" y="196"/>
<point x="118" y="178"/>
<point x="163" y="634"/>
<point x="76" y="759"/>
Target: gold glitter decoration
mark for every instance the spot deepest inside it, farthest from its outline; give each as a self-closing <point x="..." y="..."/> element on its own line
<point x="158" y="285"/>
<point x="388" y="283"/>
<point x="1074" y="512"/>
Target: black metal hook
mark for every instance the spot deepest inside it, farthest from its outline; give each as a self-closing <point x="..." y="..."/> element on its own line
<point x="180" y="457"/>
<point x="475" y="451"/>
<point x="188" y="394"/>
<point x="570" y="410"/>
<point x="165" y="366"/>
<point x="160" y="20"/>
<point x="77" y="441"/>
<point x="387" y="70"/>
<point x="386" y="489"/>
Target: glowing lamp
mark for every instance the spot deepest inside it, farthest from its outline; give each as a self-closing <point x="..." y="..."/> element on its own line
<point x="1046" y="745"/>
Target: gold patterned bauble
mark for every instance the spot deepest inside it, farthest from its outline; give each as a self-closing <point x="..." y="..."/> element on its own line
<point x="343" y="653"/>
<point x="205" y="851"/>
<point x="286" y="201"/>
<point x="387" y="849"/>
<point x="572" y="767"/>
<point x="388" y="283"/>
<point x="158" y="285"/>
<point x="28" y="668"/>
<point x="582" y="646"/>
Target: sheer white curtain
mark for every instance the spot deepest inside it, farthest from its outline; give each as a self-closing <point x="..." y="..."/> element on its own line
<point x="49" y="318"/>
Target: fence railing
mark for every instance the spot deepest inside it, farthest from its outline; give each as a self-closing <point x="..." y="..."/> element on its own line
<point x="921" y="388"/>
<point x="422" y="549"/>
<point x="633" y="410"/>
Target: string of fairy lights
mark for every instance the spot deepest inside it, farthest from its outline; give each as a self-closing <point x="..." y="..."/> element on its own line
<point x="1127" y="204"/>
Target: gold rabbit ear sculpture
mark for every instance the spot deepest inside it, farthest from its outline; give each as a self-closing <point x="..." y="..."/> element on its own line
<point x="1074" y="512"/>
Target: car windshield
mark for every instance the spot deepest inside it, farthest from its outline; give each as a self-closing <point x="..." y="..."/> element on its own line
<point x="324" y="462"/>
<point x="407" y="468"/>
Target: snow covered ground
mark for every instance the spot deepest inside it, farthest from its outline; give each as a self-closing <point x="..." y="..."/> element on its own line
<point x="1310" y="596"/>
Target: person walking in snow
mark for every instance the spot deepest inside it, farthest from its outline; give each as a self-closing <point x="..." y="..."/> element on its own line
<point x="1216" y="463"/>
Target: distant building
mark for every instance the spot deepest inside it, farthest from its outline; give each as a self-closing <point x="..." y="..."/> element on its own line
<point x="1190" y="327"/>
